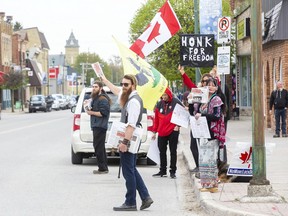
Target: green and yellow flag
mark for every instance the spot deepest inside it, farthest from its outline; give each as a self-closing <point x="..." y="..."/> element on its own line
<point x="151" y="83"/>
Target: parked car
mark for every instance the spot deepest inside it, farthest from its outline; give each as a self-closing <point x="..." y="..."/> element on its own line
<point x="39" y="103"/>
<point x="82" y="137"/>
<point x="63" y="104"/>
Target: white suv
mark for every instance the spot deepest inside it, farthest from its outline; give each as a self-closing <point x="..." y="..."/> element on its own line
<point x="82" y="136"/>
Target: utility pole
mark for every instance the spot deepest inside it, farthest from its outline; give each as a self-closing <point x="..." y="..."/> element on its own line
<point x="196" y="31"/>
<point x="259" y="186"/>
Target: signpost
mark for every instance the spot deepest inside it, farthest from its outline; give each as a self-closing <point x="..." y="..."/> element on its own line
<point x="224" y="30"/>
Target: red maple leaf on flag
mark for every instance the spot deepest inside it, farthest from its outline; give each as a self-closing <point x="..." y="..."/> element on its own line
<point x="154" y="33"/>
<point x="246" y="156"/>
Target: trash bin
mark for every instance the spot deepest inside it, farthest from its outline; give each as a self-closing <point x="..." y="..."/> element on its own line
<point x="18" y="105"/>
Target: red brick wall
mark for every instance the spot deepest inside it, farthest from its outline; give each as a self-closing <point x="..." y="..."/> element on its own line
<point x="274" y="52"/>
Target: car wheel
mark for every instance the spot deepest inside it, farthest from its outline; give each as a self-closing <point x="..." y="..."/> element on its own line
<point x="76" y="158"/>
<point x="150" y="162"/>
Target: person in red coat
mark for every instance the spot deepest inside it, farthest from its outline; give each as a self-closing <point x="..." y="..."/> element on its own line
<point x="168" y="132"/>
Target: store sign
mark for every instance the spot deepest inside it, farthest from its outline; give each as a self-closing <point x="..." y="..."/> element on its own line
<point x="53" y="73"/>
<point x="243" y="28"/>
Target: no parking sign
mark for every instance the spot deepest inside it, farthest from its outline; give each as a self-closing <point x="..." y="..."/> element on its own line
<point x="224" y="30"/>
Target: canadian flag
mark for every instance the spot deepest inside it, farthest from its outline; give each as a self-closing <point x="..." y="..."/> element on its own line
<point x="162" y="27"/>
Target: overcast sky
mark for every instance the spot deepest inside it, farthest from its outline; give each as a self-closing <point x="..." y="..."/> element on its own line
<point x="93" y="22"/>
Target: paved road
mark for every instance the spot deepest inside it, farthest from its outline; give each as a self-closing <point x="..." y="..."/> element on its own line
<point x="37" y="177"/>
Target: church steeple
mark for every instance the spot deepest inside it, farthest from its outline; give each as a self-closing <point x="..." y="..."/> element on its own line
<point x="72" y="42"/>
<point x="71" y="49"/>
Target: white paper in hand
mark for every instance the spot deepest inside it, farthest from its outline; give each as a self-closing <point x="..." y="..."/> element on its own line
<point x="153" y="152"/>
<point x="97" y="69"/>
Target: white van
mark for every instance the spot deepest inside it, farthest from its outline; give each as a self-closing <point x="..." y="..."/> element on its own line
<point x="82" y="136"/>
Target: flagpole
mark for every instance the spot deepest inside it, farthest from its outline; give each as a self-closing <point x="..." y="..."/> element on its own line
<point x="196" y="31"/>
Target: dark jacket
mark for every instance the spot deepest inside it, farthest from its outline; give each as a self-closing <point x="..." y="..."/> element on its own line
<point x="100" y="104"/>
<point x="279" y="99"/>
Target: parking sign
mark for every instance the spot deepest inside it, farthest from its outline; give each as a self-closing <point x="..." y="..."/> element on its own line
<point x="224" y="30"/>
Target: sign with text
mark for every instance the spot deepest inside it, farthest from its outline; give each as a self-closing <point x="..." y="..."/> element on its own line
<point x="224" y="30"/>
<point x="53" y="73"/>
<point x="223" y="60"/>
<point x="241" y="162"/>
<point x="197" y="50"/>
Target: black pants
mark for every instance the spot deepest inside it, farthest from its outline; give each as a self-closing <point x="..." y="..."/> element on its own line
<point x="99" y="135"/>
<point x="163" y="141"/>
<point x="194" y="149"/>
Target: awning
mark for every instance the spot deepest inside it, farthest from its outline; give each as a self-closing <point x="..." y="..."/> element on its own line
<point x="35" y="76"/>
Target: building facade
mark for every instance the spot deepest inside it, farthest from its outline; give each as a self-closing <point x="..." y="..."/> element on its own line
<point x="274" y="57"/>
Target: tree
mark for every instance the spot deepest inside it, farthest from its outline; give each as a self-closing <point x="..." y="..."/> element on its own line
<point x="13" y="81"/>
<point x="88" y="58"/>
<point x="17" y="26"/>
<point x="116" y="67"/>
<point x="166" y="57"/>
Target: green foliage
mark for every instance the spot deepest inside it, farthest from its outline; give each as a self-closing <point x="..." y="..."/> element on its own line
<point x="87" y="59"/>
<point x="17" y="26"/>
<point x="166" y="57"/>
<point x="13" y="80"/>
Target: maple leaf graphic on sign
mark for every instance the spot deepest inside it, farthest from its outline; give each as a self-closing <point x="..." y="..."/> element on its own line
<point x="154" y="33"/>
<point x="246" y="156"/>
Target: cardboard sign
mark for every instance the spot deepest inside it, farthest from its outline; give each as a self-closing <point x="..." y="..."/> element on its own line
<point x="197" y="50"/>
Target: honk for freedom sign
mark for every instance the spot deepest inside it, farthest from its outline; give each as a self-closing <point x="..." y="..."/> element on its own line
<point x="197" y="50"/>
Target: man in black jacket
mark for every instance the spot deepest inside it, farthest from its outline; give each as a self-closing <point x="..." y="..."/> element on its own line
<point x="279" y="99"/>
<point x="99" y="115"/>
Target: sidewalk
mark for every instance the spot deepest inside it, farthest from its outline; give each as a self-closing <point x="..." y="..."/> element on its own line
<point x="226" y="201"/>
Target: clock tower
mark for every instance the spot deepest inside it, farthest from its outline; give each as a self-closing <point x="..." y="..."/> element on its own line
<point x="71" y="50"/>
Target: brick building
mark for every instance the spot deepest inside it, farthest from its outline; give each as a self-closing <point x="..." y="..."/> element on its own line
<point x="275" y="49"/>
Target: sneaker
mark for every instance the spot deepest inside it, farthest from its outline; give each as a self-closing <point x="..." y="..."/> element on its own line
<point x="276" y="136"/>
<point x="146" y="203"/>
<point x="160" y="174"/>
<point x="100" y="171"/>
<point x="125" y="207"/>
<point x="284" y="135"/>
<point x="172" y="175"/>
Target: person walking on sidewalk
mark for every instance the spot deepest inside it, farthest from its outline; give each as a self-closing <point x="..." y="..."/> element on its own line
<point x="168" y="133"/>
<point x="279" y="99"/>
<point x="99" y="115"/>
<point x="131" y="114"/>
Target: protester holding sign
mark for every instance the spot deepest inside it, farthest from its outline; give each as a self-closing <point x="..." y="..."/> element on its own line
<point x="193" y="143"/>
<point x="131" y="114"/>
<point x="168" y="132"/>
<point x="208" y="148"/>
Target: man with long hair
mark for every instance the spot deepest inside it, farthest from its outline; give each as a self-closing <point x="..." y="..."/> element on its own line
<point x="99" y="115"/>
<point x="131" y="114"/>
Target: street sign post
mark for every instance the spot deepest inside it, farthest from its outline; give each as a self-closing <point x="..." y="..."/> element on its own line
<point x="224" y="30"/>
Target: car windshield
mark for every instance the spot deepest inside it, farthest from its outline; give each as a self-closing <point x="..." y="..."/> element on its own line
<point x="114" y="107"/>
<point x="36" y="98"/>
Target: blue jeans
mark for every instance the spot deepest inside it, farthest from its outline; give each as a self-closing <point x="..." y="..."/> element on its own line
<point x="280" y="113"/>
<point x="133" y="179"/>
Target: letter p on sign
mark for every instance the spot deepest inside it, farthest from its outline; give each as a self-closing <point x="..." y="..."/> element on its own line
<point x="224" y="30"/>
